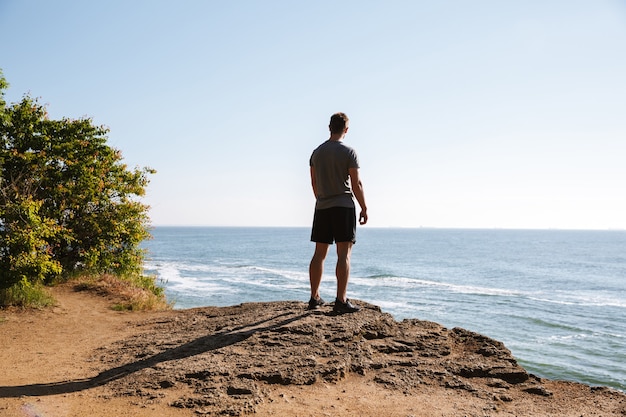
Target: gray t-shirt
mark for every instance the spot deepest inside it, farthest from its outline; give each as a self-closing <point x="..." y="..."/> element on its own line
<point x="331" y="162"/>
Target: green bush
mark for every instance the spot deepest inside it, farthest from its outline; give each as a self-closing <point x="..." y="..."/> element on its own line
<point x="25" y="294"/>
<point x="68" y="204"/>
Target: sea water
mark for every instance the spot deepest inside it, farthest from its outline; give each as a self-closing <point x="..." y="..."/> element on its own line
<point x="557" y="299"/>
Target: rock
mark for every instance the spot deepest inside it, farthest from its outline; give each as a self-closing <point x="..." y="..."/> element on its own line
<point x="225" y="356"/>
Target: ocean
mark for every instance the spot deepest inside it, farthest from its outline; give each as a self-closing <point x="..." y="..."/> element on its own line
<point x="555" y="298"/>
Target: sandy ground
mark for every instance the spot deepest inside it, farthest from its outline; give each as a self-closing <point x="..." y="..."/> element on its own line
<point x="47" y="347"/>
<point x="46" y="357"/>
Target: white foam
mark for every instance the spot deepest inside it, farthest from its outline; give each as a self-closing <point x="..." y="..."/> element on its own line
<point x="225" y="277"/>
<point x="573" y="298"/>
<point x="407" y="283"/>
<point x="172" y="274"/>
<point x="563" y="297"/>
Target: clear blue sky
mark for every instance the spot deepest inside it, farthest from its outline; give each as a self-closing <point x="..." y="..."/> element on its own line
<point x="495" y="113"/>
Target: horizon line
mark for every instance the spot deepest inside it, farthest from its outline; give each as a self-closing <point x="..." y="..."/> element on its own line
<point x="608" y="229"/>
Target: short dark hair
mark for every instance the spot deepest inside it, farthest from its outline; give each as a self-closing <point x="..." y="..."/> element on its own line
<point x="338" y="122"/>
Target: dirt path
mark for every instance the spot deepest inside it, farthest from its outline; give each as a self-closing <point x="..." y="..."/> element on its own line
<point x="39" y="350"/>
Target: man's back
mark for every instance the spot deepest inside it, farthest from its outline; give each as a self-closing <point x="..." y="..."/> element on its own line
<point x="332" y="161"/>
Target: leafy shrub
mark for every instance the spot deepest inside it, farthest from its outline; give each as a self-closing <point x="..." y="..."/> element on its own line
<point x="25" y="294"/>
<point x="68" y="204"/>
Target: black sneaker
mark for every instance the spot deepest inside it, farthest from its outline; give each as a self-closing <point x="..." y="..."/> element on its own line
<point x="315" y="303"/>
<point x="347" y="307"/>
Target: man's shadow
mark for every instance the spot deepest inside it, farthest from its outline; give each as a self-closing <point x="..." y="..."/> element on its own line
<point x="195" y="347"/>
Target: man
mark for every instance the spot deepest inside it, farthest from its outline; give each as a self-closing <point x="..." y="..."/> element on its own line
<point x="335" y="180"/>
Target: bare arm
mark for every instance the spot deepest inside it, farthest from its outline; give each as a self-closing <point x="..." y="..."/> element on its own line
<point x="313" y="182"/>
<point x="357" y="190"/>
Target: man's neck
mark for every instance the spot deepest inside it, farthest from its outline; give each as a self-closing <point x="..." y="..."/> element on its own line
<point x="336" y="137"/>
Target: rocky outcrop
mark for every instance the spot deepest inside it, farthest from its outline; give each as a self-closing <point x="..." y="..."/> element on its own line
<point x="226" y="359"/>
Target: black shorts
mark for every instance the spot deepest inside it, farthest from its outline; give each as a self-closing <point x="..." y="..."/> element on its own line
<point x="335" y="224"/>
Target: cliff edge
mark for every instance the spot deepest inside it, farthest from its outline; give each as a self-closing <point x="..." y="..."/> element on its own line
<point x="280" y="359"/>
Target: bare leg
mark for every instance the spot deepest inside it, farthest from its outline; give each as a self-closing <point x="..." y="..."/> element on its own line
<point x="344" y="249"/>
<point x="316" y="268"/>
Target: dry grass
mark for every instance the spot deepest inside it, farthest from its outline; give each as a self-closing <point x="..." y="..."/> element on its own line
<point x="125" y="294"/>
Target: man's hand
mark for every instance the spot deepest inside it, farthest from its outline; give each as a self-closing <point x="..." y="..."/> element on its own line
<point x="363" y="217"/>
